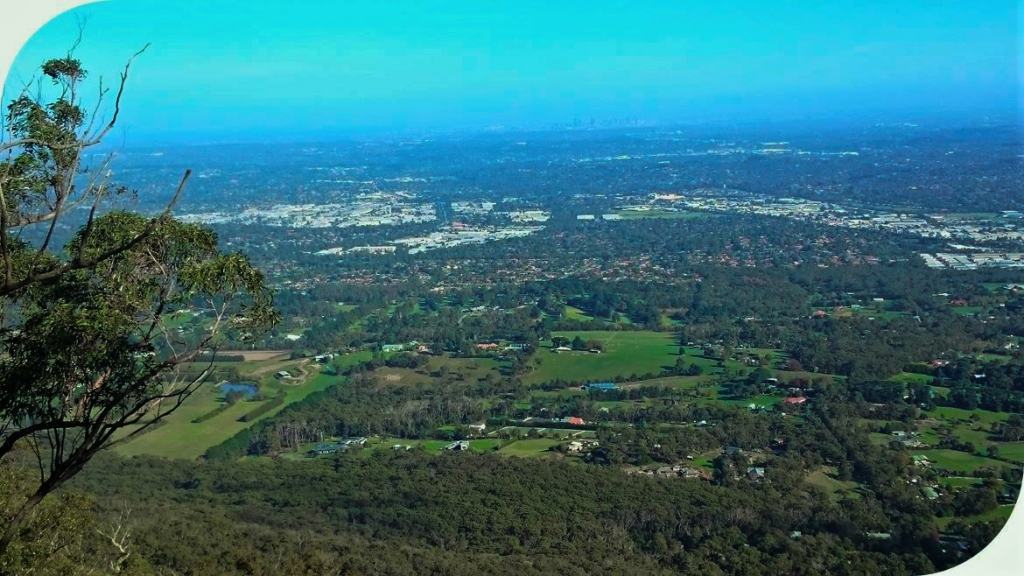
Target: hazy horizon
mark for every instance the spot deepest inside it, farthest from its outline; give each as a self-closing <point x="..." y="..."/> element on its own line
<point x="233" y="72"/>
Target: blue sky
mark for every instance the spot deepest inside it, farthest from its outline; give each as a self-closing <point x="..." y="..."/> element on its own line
<point x="249" y="70"/>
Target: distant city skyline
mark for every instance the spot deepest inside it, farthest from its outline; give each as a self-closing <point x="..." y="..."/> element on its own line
<point x="225" y="71"/>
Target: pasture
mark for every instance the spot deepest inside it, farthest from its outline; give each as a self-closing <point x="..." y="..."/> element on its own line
<point x="626" y="353"/>
<point x="530" y="447"/>
<point x="954" y="461"/>
<point x="179" y="437"/>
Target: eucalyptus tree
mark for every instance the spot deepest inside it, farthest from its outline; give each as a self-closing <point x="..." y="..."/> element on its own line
<point x="87" y="355"/>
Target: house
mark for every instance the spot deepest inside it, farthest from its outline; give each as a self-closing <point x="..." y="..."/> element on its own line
<point x="282" y="375"/>
<point x="488" y="346"/>
<point x="692" y="473"/>
<point x="392" y="347"/>
<point x="574" y="420"/>
<point x="423" y="349"/>
<point x="355" y="441"/>
<point x="600" y="386"/>
<point x="563" y="349"/>
<point x="478" y="428"/>
<point x="325" y="448"/>
<point x="458" y="446"/>
<point x="666" y="471"/>
<point x="819" y="314"/>
<point x="755" y="473"/>
<point x="516" y="347"/>
<point x="795" y="400"/>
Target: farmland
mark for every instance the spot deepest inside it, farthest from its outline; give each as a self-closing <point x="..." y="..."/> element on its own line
<point x="178" y="436"/>
<point x="625" y="354"/>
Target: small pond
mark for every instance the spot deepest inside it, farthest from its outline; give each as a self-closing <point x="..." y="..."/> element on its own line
<point x="247" y="389"/>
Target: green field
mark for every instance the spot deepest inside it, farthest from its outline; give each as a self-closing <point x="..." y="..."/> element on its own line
<point x="529" y="447"/>
<point x="949" y="413"/>
<point x="959" y="481"/>
<point x="574" y="313"/>
<point x="999" y="513"/>
<point x="1012" y="451"/>
<point x="912" y="378"/>
<point x="954" y="461"/>
<point x="824" y="478"/>
<point x="459" y="369"/>
<point x="179" y="437"/>
<point x="625" y="353"/>
<point x="767" y="401"/>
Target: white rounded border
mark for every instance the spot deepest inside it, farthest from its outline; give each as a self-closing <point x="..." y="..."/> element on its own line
<point x="21" y="19"/>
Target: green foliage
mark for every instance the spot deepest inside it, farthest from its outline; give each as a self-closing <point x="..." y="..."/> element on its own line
<point x="84" y="348"/>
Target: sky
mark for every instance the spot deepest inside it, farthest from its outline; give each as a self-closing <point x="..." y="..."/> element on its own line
<point x="251" y="70"/>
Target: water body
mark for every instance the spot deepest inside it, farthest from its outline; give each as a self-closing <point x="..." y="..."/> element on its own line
<point x="247" y="389"/>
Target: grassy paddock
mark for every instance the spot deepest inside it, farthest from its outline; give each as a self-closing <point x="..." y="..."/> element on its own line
<point x="179" y="437"/>
<point x="625" y="353"/>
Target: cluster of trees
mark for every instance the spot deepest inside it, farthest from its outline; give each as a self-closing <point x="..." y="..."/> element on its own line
<point x="414" y="513"/>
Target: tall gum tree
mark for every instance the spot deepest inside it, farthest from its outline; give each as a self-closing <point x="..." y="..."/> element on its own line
<point x="86" y="353"/>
